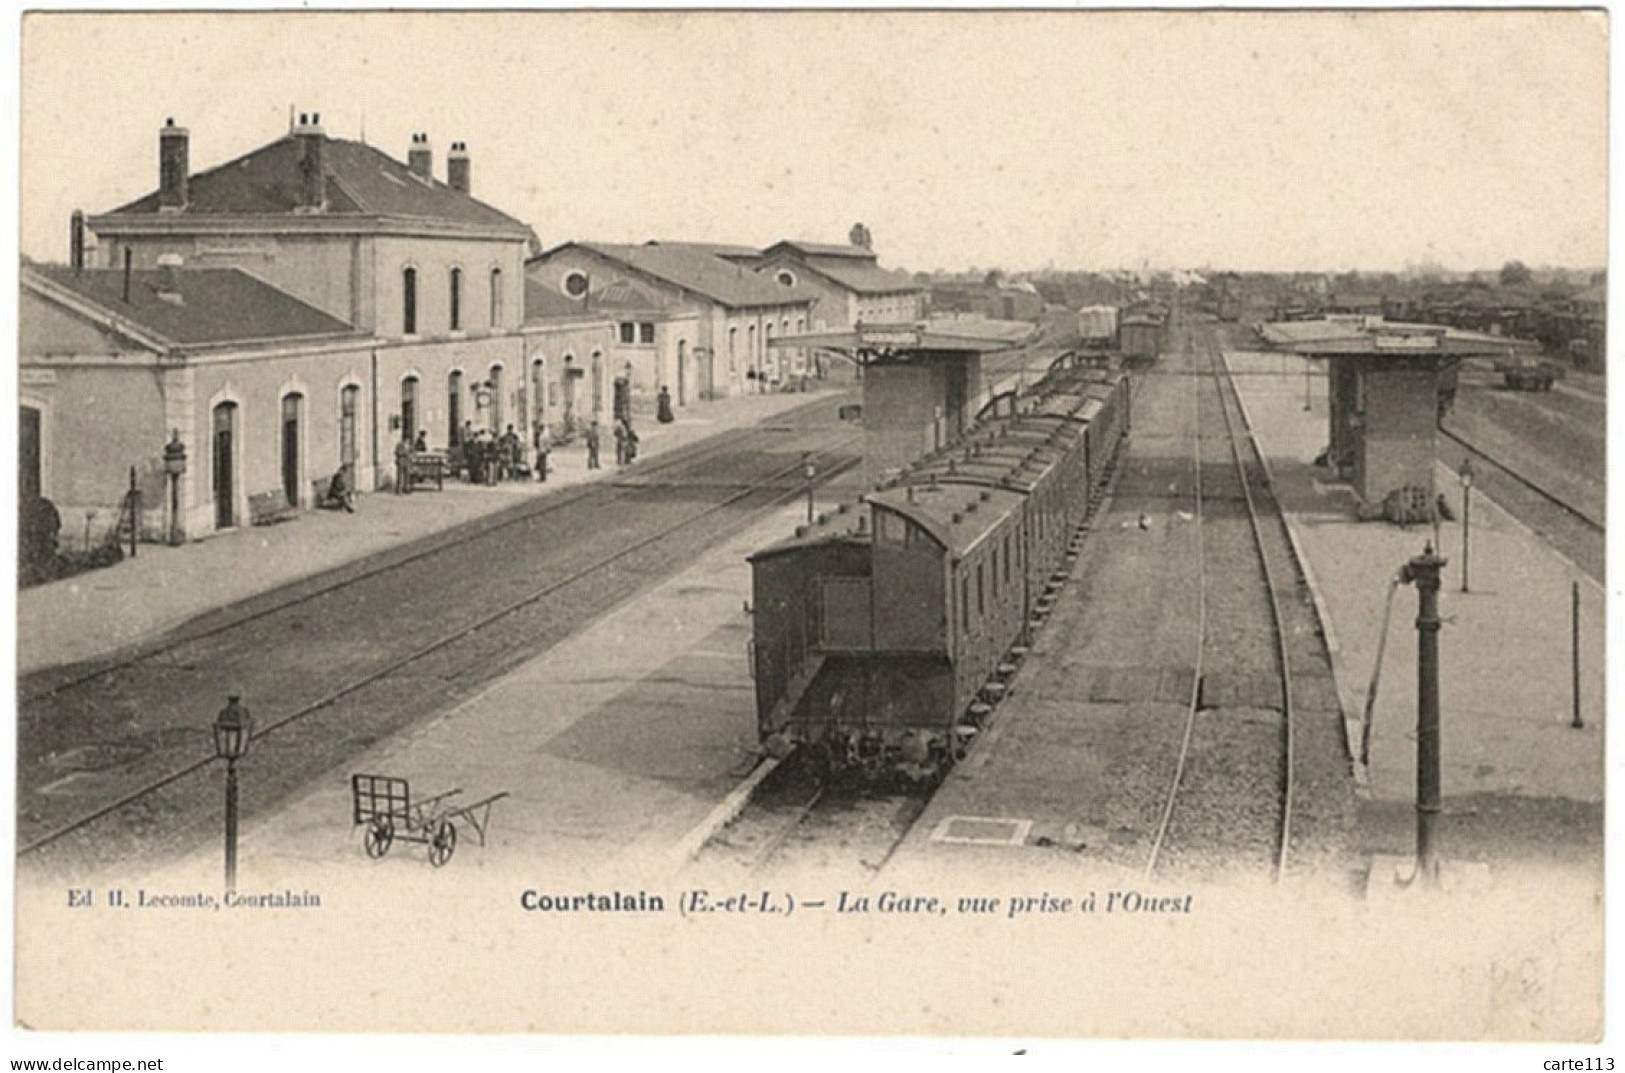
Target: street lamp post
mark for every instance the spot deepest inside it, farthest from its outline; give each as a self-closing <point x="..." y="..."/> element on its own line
<point x="233" y="733"/>
<point x="1423" y="572"/>
<point x="1466" y="475"/>
<point x="175" y="469"/>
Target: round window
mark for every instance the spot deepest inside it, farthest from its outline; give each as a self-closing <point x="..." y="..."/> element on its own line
<point x="575" y="284"/>
<point x="786" y="277"/>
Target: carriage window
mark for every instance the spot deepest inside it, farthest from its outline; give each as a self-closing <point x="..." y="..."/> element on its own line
<point x="964" y="603"/>
<point x="979" y="611"/>
<point x="1007" y="558"/>
<point x="995" y="573"/>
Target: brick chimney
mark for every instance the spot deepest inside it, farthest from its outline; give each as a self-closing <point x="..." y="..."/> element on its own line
<point x="421" y="157"/>
<point x="458" y="175"/>
<point x="312" y="145"/>
<point x="169" y="278"/>
<point x="76" y="241"/>
<point x="173" y="142"/>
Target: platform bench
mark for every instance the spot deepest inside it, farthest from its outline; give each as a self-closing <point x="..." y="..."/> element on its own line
<point x="269" y="508"/>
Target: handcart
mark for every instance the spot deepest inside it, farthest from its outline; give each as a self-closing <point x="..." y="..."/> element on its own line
<point x="384" y="804"/>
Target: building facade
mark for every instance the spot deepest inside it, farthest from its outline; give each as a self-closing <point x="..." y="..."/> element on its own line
<point x="710" y="318"/>
<point x="848" y="281"/>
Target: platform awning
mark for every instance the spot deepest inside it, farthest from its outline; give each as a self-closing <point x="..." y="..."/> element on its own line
<point x="1329" y="339"/>
<point x="903" y="342"/>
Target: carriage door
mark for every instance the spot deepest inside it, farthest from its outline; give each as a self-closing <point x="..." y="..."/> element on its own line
<point x="225" y="492"/>
<point x="28" y="455"/>
<point x="349" y="402"/>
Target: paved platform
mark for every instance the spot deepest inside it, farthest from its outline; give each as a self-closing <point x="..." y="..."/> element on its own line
<point x="1505" y="651"/>
<point x="97" y="613"/>
<point x="612" y="744"/>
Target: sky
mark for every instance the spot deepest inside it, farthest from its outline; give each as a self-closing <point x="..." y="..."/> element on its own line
<point x="1269" y="141"/>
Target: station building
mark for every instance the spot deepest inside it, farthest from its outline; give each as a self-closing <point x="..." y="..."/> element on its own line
<point x="850" y="285"/>
<point x="296" y="309"/>
<point x="697" y="318"/>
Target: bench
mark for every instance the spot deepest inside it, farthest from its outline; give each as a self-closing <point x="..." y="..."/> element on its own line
<point x="429" y="466"/>
<point x="269" y="508"/>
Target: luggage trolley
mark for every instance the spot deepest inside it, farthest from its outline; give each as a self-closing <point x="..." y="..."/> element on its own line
<point x="384" y="804"/>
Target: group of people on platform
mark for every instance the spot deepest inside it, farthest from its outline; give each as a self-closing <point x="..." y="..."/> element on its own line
<point x="486" y="458"/>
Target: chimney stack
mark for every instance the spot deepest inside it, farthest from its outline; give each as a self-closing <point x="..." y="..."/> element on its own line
<point x="76" y="241"/>
<point x="458" y="176"/>
<point x="420" y="158"/>
<point x="172" y="167"/>
<point x="312" y="145"/>
<point x="169" y="278"/>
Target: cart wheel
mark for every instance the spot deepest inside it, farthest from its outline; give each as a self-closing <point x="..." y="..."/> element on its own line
<point x="443" y="844"/>
<point x="380" y="833"/>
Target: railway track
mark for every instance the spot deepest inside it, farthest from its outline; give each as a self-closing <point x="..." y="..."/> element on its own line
<point x="152" y="806"/>
<point x="1483" y="459"/>
<point x="1232" y="794"/>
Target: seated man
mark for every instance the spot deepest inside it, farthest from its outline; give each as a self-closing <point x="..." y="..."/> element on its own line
<point x="340" y="496"/>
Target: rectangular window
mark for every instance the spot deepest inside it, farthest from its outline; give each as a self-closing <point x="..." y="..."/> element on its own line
<point x="646" y="333"/>
<point x="496" y="297"/>
<point x="456" y="299"/>
<point x="629" y="332"/>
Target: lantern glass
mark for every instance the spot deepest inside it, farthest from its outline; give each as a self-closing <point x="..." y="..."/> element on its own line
<point x="233" y="730"/>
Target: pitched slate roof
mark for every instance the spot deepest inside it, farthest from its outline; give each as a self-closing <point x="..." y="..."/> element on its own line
<point x="544" y="301"/>
<point x="864" y="277"/>
<point x="692" y="268"/>
<point x="361" y="181"/>
<point x="724" y="250"/>
<point x="217" y="306"/>
<point x="821" y="249"/>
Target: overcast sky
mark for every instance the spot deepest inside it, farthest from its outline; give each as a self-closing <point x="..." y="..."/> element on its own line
<point x="1272" y="141"/>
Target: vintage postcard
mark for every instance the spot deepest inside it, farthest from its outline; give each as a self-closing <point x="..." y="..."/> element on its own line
<point x="1056" y="525"/>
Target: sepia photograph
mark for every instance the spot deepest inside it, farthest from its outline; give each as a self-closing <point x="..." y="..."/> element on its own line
<point x="913" y="525"/>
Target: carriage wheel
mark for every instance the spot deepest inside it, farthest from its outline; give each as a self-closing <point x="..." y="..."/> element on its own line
<point x="380" y="833"/>
<point x="443" y="844"/>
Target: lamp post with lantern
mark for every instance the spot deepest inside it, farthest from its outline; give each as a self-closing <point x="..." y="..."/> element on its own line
<point x="233" y="733"/>
<point x="1466" y="476"/>
<point x="174" y="470"/>
<point x="809" y="471"/>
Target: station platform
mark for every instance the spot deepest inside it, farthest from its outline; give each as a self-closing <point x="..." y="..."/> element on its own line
<point x="101" y="612"/>
<point x="612" y="746"/>
<point x="1506" y="649"/>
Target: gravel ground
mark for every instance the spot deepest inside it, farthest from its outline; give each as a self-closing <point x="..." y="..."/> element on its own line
<point x="386" y="638"/>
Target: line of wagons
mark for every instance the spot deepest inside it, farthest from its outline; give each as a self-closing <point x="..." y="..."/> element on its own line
<point x="877" y="627"/>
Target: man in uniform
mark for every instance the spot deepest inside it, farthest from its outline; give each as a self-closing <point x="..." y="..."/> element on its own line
<point x="592" y="445"/>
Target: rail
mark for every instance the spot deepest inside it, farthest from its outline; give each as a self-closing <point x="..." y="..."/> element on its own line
<point x="796" y="489"/>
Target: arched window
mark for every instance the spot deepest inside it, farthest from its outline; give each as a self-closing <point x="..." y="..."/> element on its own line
<point x="496" y="297"/>
<point x="733" y="348"/>
<point x="597" y="382"/>
<point x="409" y="408"/>
<point x="456" y="299"/>
<point x="409" y="301"/>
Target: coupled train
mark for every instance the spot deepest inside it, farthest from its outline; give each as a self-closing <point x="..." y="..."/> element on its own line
<point x="877" y="627"/>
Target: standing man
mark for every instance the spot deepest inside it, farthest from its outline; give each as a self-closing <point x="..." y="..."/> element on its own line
<point x="620" y="442"/>
<point x="542" y="445"/>
<point x="403" y="465"/>
<point x="592" y="445"/>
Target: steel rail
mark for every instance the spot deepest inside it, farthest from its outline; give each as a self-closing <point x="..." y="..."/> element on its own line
<point x="426" y="546"/>
<point x="1288" y="752"/>
<point x="338" y="694"/>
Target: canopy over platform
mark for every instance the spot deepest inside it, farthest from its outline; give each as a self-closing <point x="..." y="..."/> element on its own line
<point x="869" y="344"/>
<point x="1372" y="336"/>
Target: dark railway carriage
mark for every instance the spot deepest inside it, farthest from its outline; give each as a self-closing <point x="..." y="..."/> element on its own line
<point x="877" y="627"/>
